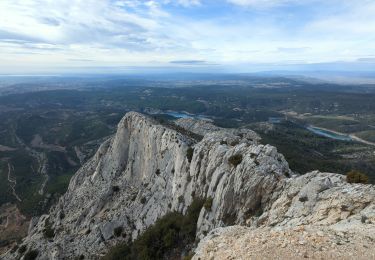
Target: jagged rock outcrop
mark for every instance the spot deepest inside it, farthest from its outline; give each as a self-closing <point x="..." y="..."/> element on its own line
<point x="200" y="127"/>
<point x="321" y="199"/>
<point x="316" y="215"/>
<point x="148" y="169"/>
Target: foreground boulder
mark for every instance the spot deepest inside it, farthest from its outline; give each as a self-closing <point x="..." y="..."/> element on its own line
<point x="317" y="215"/>
<point x="301" y="242"/>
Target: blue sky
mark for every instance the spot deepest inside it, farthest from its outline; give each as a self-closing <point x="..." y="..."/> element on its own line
<point x="206" y="35"/>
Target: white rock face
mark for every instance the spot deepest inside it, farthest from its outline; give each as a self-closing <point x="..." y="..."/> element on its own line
<point x="317" y="215"/>
<point x="143" y="172"/>
<point x="321" y="199"/>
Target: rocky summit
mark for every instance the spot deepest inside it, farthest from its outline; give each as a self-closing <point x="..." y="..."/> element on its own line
<point x="148" y="169"/>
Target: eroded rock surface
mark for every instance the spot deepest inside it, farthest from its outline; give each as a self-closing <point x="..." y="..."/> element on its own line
<point x="317" y="215"/>
<point x="301" y="242"/>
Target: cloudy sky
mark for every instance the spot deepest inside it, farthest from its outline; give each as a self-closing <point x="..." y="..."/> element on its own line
<point x="243" y="35"/>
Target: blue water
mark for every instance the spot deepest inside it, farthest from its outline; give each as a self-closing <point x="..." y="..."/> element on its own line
<point x="329" y="134"/>
<point x="184" y="115"/>
<point x="275" y="120"/>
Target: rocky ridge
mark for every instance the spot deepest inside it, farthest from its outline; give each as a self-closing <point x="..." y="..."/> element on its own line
<point x="144" y="172"/>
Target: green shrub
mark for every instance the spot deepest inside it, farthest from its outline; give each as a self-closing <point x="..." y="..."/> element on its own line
<point x="235" y="159"/>
<point x="118" y="231"/>
<point x="31" y="255"/>
<point x="119" y="252"/>
<point x="357" y="177"/>
<point x="189" y="153"/>
<point x="189" y="256"/>
<point x="62" y="215"/>
<point x="22" y="249"/>
<point x="157" y="172"/>
<point x="115" y="188"/>
<point x="172" y="232"/>
<point x="256" y="162"/>
<point x="208" y="203"/>
<point x="48" y="231"/>
<point x="143" y="200"/>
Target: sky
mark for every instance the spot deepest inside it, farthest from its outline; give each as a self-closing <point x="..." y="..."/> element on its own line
<point x="192" y="35"/>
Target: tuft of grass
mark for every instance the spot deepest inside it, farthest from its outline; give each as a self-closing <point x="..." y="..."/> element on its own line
<point x="357" y="177"/>
<point x="118" y="231"/>
<point x="208" y="203"/>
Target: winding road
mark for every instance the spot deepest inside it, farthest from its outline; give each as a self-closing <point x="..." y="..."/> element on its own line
<point x="12" y="183"/>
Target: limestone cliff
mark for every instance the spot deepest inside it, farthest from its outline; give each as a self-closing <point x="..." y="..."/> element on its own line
<point x="148" y="169"/>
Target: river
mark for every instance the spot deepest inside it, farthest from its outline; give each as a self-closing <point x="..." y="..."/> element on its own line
<point x="184" y="115"/>
<point x="329" y="134"/>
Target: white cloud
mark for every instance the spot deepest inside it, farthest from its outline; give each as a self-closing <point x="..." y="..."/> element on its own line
<point x="187" y="3"/>
<point x="72" y="32"/>
<point x="144" y="32"/>
<point x="88" y="21"/>
<point x="357" y="19"/>
<point x="259" y="3"/>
